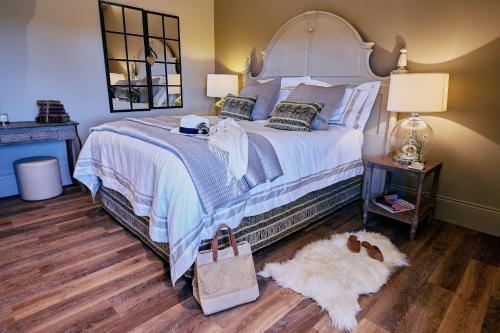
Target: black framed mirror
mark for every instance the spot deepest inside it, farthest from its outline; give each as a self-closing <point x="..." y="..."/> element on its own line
<point x="142" y="55"/>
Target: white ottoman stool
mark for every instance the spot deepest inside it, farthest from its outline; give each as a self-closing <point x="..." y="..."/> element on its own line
<point x="38" y="178"/>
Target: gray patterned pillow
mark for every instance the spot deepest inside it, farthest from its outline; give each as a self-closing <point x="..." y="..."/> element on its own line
<point x="294" y="116"/>
<point x="267" y="96"/>
<point x="238" y="107"/>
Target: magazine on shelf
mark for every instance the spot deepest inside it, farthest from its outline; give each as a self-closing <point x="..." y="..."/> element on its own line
<point x="393" y="203"/>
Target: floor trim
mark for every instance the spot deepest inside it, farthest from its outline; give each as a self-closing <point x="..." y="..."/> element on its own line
<point x="462" y="212"/>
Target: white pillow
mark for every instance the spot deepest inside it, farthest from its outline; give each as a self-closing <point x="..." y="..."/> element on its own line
<point x="336" y="118"/>
<point x="313" y="82"/>
<point x="355" y="107"/>
<point x="292" y="82"/>
<point x="287" y="85"/>
<point x="289" y="82"/>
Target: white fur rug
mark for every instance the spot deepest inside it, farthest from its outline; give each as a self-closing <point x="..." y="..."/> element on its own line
<point x="334" y="277"/>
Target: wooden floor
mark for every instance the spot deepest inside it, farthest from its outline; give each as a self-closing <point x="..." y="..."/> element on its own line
<point x="66" y="266"/>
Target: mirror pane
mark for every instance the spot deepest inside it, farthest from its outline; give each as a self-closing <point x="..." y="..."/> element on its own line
<point x="140" y="97"/>
<point x="133" y="21"/>
<point x="139" y="70"/>
<point x="118" y="72"/>
<point x="120" y="97"/>
<point x="113" y="19"/>
<point x="135" y="48"/>
<point x="173" y="50"/>
<point x="174" y="96"/>
<point x="158" y="72"/>
<point x="157" y="49"/>
<point x="159" y="94"/>
<point x="115" y="46"/>
<point x="155" y="27"/>
<point x="173" y="69"/>
<point x="171" y="27"/>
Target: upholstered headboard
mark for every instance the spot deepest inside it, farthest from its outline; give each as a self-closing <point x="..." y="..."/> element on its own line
<point x="326" y="47"/>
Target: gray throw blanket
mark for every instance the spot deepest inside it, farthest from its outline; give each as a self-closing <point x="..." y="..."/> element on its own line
<point x="207" y="171"/>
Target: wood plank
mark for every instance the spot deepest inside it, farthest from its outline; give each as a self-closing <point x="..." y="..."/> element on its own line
<point x="468" y="308"/>
<point x="84" y="320"/>
<point x="488" y="251"/>
<point x="366" y="326"/>
<point x="491" y="321"/>
<point x="301" y="318"/>
<point x="65" y="291"/>
<point x="426" y="311"/>
<point x="137" y="305"/>
<point x="455" y="260"/>
<point x="55" y="258"/>
<point x="261" y="315"/>
<point x="72" y="305"/>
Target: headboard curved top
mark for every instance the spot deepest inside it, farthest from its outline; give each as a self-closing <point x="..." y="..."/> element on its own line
<point x="319" y="44"/>
<point x="328" y="48"/>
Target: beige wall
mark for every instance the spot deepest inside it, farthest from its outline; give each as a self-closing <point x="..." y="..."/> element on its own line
<point x="459" y="37"/>
<point x="52" y="49"/>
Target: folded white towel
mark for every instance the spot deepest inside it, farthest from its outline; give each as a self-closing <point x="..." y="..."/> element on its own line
<point x="229" y="137"/>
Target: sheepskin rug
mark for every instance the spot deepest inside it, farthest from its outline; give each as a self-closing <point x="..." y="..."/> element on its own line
<point x="334" y="277"/>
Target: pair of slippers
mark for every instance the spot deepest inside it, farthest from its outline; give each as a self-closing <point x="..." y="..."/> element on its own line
<point x="354" y="245"/>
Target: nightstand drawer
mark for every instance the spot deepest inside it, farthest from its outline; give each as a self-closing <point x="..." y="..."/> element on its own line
<point x="33" y="136"/>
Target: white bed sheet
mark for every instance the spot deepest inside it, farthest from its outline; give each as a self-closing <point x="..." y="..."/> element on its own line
<point x="157" y="184"/>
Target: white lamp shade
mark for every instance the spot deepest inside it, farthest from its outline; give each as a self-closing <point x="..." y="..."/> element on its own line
<point x="418" y="92"/>
<point x="219" y="85"/>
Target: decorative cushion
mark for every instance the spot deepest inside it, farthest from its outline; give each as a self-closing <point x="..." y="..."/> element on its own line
<point x="357" y="107"/>
<point x="294" y="116"/>
<point x="238" y="107"/>
<point x="267" y="95"/>
<point x="329" y="96"/>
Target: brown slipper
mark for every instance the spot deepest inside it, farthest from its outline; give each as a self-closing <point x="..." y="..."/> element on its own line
<point x="354" y="244"/>
<point x="373" y="251"/>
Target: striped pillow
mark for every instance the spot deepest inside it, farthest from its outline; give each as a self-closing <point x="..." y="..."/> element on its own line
<point x="238" y="107"/>
<point x="355" y="107"/>
<point x="294" y="116"/>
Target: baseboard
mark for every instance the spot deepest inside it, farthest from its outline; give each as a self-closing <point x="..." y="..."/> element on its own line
<point x="461" y="212"/>
<point x="8" y="183"/>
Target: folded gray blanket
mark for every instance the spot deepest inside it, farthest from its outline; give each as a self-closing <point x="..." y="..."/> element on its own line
<point x="207" y="170"/>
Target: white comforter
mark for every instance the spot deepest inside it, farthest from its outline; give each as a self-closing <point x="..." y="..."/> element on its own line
<point x="157" y="184"/>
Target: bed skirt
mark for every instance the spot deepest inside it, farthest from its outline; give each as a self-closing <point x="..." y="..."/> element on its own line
<point x="260" y="230"/>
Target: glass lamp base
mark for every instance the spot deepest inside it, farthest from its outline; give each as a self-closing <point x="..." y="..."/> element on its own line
<point x="411" y="139"/>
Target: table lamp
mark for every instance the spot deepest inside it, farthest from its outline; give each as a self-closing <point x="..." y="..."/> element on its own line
<point x="219" y="85"/>
<point x="416" y="93"/>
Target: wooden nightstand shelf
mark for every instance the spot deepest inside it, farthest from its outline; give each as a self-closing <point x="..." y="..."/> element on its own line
<point x="424" y="208"/>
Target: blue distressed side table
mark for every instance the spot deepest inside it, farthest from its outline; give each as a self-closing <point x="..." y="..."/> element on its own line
<point x="29" y="131"/>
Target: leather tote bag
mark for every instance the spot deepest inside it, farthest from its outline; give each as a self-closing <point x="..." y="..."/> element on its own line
<point x="225" y="278"/>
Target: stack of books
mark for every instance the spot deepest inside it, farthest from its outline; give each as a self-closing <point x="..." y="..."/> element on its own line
<point x="393" y="203"/>
<point x="51" y="111"/>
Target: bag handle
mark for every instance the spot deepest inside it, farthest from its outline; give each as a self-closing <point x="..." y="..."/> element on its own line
<point x="215" y="241"/>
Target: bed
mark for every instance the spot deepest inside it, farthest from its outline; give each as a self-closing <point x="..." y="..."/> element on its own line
<point x="147" y="190"/>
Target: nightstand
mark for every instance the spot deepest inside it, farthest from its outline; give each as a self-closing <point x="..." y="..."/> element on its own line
<point x="424" y="207"/>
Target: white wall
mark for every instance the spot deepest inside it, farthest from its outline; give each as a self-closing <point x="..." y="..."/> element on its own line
<point x="52" y="49"/>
